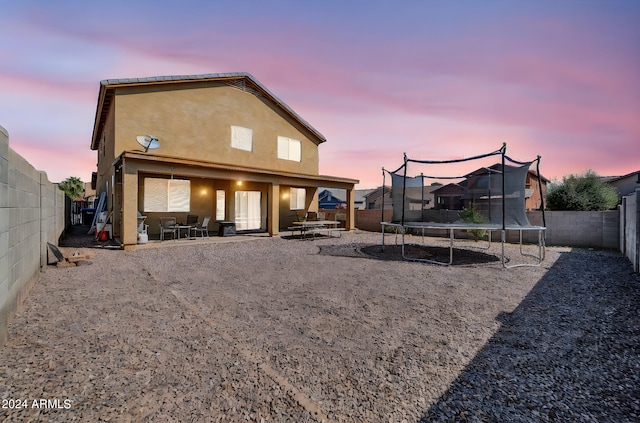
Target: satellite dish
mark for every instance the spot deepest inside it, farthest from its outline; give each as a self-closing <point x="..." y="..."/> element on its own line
<point x="149" y="142"/>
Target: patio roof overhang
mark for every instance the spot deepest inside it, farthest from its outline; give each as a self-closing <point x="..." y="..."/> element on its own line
<point x="154" y="163"/>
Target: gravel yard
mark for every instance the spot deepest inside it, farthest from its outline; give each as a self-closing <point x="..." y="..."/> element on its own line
<point x="286" y="330"/>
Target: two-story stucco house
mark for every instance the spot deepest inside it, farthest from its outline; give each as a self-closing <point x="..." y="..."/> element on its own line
<point x="226" y="148"/>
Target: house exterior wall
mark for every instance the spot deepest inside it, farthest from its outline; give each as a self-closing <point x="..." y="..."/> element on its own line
<point x="374" y="199"/>
<point x="106" y="157"/>
<point x="534" y="202"/>
<point x="628" y="185"/>
<point x="31" y="214"/>
<point x="195" y="123"/>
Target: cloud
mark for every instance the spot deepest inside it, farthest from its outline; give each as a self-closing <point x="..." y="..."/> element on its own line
<point x="431" y="79"/>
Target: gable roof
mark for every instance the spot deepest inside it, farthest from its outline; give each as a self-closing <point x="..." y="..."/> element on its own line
<point x="498" y="166"/>
<point x="240" y="80"/>
<point x="611" y="179"/>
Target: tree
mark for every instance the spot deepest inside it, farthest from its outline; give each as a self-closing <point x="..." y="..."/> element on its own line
<point x="73" y="187"/>
<point x="584" y="192"/>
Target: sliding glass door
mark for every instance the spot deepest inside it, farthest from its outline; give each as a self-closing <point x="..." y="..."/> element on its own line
<point x="247" y="213"/>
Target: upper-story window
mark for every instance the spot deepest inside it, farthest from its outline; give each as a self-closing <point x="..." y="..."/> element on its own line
<point x="241" y="138"/>
<point x="289" y="149"/>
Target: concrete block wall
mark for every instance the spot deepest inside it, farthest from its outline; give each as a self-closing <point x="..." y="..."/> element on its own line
<point x="369" y="220"/>
<point x="567" y="228"/>
<point x="595" y="229"/>
<point x="31" y="214"/>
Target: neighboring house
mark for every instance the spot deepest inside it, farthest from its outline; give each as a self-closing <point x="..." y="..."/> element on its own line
<point x="450" y="196"/>
<point x="227" y="148"/>
<point x="534" y="197"/>
<point x="422" y="199"/>
<point x="330" y="199"/>
<point x="416" y="199"/>
<point x="361" y="198"/>
<point x="375" y="199"/>
<point x="462" y="195"/>
<point x="625" y="184"/>
<point x="89" y="193"/>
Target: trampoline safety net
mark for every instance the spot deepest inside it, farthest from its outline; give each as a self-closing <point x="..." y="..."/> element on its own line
<point x="493" y="184"/>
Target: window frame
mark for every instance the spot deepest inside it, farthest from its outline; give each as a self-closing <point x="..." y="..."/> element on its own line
<point x="177" y="198"/>
<point x="221" y="206"/>
<point x="239" y="135"/>
<point x="294" y="193"/>
<point x="292" y="154"/>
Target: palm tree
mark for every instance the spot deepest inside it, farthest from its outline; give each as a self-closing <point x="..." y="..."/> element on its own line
<point x="73" y="187"/>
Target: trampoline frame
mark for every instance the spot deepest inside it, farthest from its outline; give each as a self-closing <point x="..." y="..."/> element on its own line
<point x="503" y="228"/>
<point x="452" y="227"/>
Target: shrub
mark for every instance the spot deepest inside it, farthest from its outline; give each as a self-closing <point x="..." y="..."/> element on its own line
<point x="73" y="187"/>
<point x="472" y="215"/>
<point x="584" y="192"/>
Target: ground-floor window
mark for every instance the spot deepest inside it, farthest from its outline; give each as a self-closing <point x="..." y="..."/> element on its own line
<point x="248" y="210"/>
<point x="220" y="205"/>
<point x="297" y="198"/>
<point x="167" y="195"/>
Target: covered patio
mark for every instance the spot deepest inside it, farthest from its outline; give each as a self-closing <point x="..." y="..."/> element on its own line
<point x="256" y="201"/>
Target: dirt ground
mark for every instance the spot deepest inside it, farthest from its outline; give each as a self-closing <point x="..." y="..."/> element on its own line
<point x="288" y="330"/>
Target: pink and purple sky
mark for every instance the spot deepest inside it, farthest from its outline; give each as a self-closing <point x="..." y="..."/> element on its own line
<point x="435" y="79"/>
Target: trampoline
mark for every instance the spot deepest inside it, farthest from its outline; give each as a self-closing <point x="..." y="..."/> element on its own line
<point x="490" y="188"/>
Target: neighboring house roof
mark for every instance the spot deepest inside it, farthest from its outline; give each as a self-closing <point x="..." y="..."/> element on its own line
<point x="341" y="195"/>
<point x="240" y="80"/>
<point x="361" y="195"/>
<point x="625" y="184"/>
<point x="498" y="166"/>
<point x="328" y="196"/>
<point x="611" y="179"/>
<point x="376" y="193"/>
<point x="449" y="189"/>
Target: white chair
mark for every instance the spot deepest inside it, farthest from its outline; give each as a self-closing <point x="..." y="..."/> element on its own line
<point x="168" y="226"/>
<point x="203" y="228"/>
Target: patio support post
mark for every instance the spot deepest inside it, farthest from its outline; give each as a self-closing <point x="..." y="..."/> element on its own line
<point x="351" y="211"/>
<point x="273" y="206"/>
<point x="312" y="200"/>
<point x="129" y="201"/>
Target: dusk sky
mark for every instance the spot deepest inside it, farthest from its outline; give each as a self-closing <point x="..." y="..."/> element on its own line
<point x="434" y="79"/>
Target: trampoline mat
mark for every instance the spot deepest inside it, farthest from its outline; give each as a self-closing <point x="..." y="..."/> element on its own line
<point x="394" y="253"/>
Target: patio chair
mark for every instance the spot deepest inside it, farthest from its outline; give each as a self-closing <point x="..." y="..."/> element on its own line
<point x="299" y="216"/>
<point x="168" y="226"/>
<point x="203" y="228"/>
<point x="192" y="219"/>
